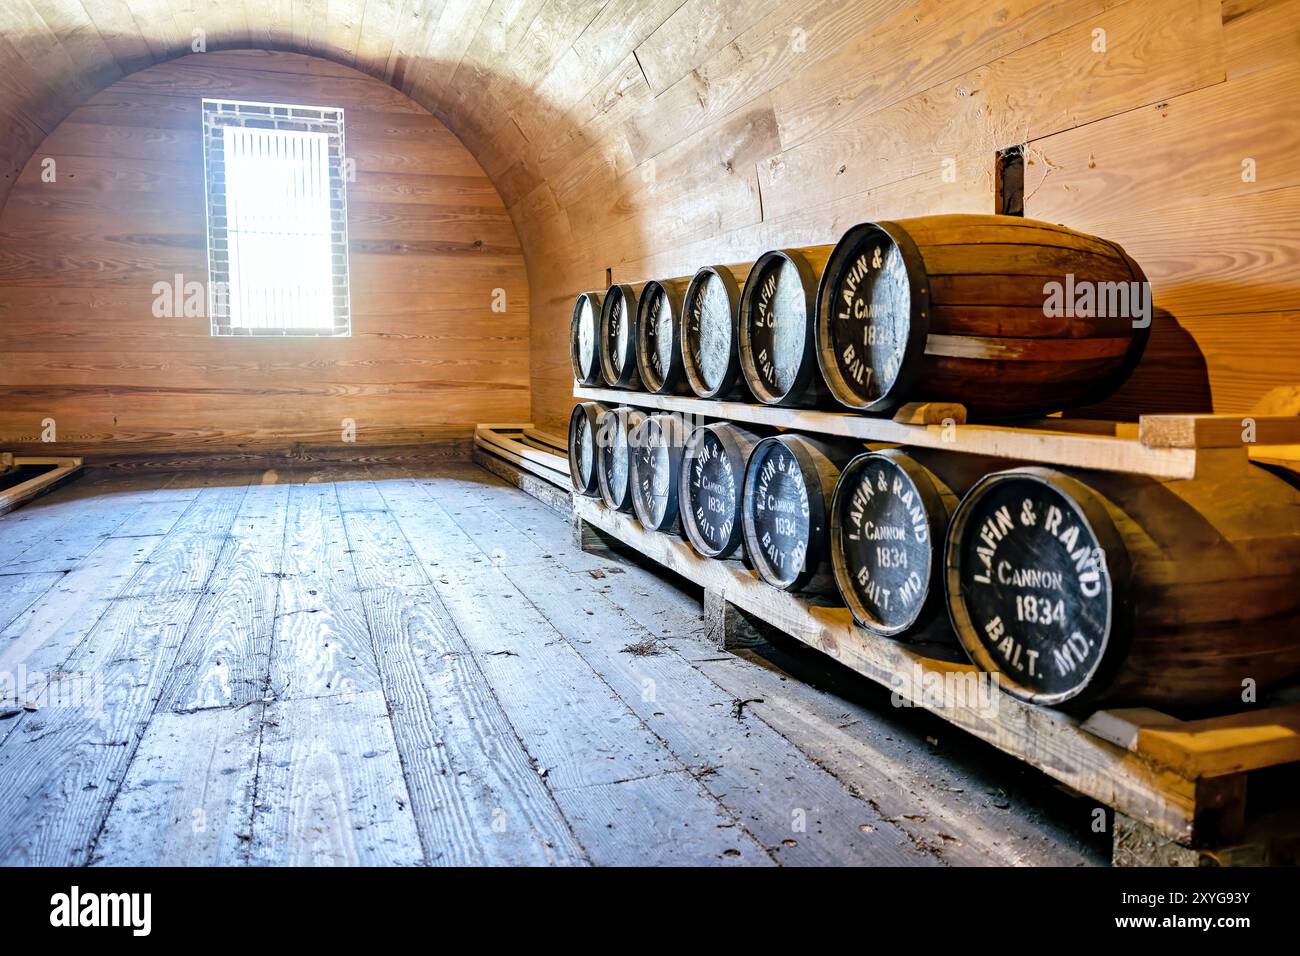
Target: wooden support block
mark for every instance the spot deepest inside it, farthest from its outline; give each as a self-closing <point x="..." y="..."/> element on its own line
<point x="587" y="537"/>
<point x="1136" y="844"/>
<point x="931" y="413"/>
<point x="1217" y="431"/>
<point x="1212" y="747"/>
<point x="729" y="628"/>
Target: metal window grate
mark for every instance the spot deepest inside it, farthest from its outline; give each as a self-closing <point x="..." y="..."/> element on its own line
<point x="277" y="219"/>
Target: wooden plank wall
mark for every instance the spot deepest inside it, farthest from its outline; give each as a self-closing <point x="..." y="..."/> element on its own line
<point x="79" y="257"/>
<point x="649" y="137"/>
<point x="724" y="129"/>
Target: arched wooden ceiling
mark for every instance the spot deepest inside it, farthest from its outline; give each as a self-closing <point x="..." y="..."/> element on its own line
<point x="465" y="60"/>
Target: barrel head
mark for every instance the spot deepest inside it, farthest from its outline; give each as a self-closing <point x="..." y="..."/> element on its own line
<point x="886" y="516"/>
<point x="776" y="353"/>
<point x="781" y="516"/>
<point x="712" y="482"/>
<point x="656" y="464"/>
<point x="659" y="351"/>
<point x="872" y="317"/>
<point x="708" y="332"/>
<point x="617" y="337"/>
<point x="582" y="448"/>
<point x="614" y="456"/>
<point x="583" y="332"/>
<point x="1035" y="578"/>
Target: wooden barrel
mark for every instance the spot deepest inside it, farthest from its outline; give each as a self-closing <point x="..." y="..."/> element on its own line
<point x="1086" y="587"/>
<point x="712" y="485"/>
<point x="584" y="332"/>
<point x="584" y="427"/>
<point x="658" y="337"/>
<point x="888" y="520"/>
<point x="618" y="336"/>
<point x="789" y="481"/>
<point x="656" y="466"/>
<point x="710" y="344"/>
<point x="989" y="311"/>
<point x="778" y="309"/>
<point x="614" y="457"/>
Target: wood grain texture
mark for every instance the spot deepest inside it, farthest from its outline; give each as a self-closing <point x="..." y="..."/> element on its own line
<point x="650" y="138"/>
<point x="79" y="257"/>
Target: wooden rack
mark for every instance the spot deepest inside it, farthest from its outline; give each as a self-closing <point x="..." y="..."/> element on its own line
<point x="1162" y="446"/>
<point x="1185" y="782"/>
<point x="1177" y="787"/>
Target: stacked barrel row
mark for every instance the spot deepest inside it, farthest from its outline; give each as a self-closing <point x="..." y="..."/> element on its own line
<point x="1074" y="587"/>
<point x="1006" y="315"/>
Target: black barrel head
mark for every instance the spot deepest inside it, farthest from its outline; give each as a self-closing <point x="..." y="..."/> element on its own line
<point x="782" y="519"/>
<point x="583" y="338"/>
<point x="711" y="486"/>
<point x="886" y="517"/>
<point x="1036" y="575"/>
<point x="777" y="353"/>
<point x="873" y="308"/>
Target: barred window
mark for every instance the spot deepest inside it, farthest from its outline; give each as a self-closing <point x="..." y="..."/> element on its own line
<point x="277" y="219"/>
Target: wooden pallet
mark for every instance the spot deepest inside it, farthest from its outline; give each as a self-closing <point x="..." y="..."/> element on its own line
<point x="1179" y="789"/>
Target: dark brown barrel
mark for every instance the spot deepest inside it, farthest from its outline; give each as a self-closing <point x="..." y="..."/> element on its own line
<point x="789" y="482"/>
<point x="584" y="426"/>
<point x="989" y="311"/>
<point x="656" y="466"/>
<point x="710" y="343"/>
<point x="712" y="486"/>
<point x="618" y="336"/>
<point x="584" y="338"/>
<point x="614" y="460"/>
<point x="778" y="309"/>
<point x="1085" y="587"/>
<point x="888" y="519"/>
<point x="658" y="337"/>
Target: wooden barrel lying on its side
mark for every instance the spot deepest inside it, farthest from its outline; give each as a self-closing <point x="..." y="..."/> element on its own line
<point x="1086" y="587"/>
<point x="584" y="427"/>
<point x="710" y="344"/>
<point x="618" y="336"/>
<point x="656" y="467"/>
<point x="614" y="460"/>
<point x="989" y="311"/>
<point x="712" y="486"/>
<point x="889" y="516"/>
<point x="658" y="337"/>
<point x="778" y="308"/>
<point x="584" y="333"/>
<point x="789" y="482"/>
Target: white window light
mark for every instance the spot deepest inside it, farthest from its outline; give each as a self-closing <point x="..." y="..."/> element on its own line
<point x="277" y="219"/>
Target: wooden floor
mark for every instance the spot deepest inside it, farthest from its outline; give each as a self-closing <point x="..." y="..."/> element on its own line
<point x="383" y="665"/>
